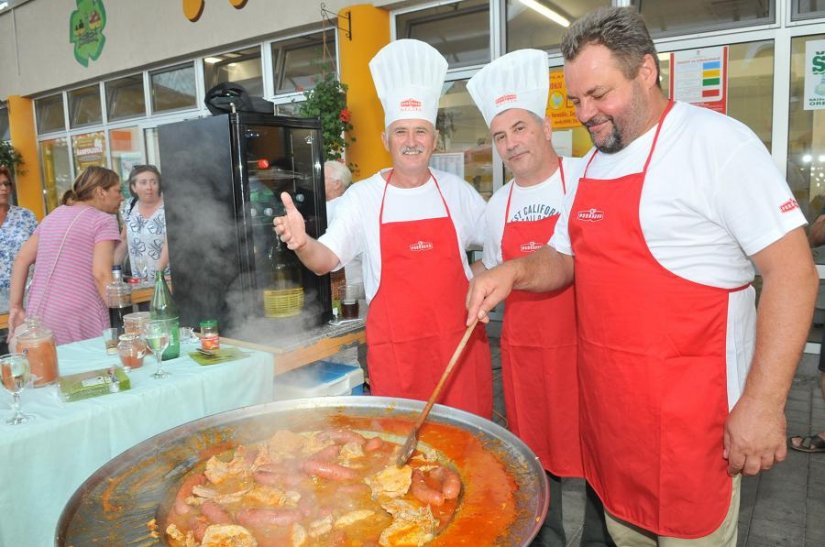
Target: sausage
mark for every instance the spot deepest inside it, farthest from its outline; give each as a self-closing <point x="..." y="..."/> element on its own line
<point x="267" y="478"/>
<point x="373" y="444"/>
<point x="329" y="453"/>
<point x="327" y="470"/>
<point x="422" y="491"/>
<point x="215" y="513"/>
<point x="199" y="526"/>
<point x="450" y="482"/>
<point x="343" y="436"/>
<point x="181" y="507"/>
<point x="283" y="516"/>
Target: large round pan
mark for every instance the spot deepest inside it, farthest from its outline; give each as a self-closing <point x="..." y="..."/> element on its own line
<point x="115" y="504"/>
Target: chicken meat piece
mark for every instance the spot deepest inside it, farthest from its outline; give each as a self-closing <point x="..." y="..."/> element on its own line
<point x="269" y="496"/>
<point x="179" y="539"/>
<point x="284" y="444"/>
<point x="352" y="517"/>
<point x="390" y="482"/>
<point x="411" y="525"/>
<point x="350" y="451"/>
<point x="218" y="497"/>
<point x="320" y="527"/>
<point x="218" y="471"/>
<point x="228" y="535"/>
<point x="297" y="535"/>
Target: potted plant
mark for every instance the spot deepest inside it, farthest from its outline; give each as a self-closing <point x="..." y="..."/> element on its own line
<point x="10" y="157"/>
<point x="328" y="101"/>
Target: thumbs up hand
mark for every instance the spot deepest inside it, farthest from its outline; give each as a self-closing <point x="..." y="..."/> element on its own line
<point x="290" y="227"/>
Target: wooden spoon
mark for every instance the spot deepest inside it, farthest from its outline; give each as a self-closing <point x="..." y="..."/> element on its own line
<point x="412" y="439"/>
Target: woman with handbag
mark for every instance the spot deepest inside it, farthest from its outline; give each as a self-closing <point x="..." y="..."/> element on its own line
<point x="73" y="249"/>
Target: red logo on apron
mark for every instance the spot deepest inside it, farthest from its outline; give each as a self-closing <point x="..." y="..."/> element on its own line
<point x="530" y="247"/>
<point x="789" y="205"/>
<point x="592" y="215"/>
<point x="420" y="246"/>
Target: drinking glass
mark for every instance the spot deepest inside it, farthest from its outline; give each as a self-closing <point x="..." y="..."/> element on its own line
<point x="16" y="374"/>
<point x="141" y="268"/>
<point x="156" y="335"/>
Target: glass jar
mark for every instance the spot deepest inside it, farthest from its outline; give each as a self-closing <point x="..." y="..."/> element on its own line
<point x="36" y="342"/>
<point x="210" y="340"/>
<point x="134" y="323"/>
<point x="131" y="349"/>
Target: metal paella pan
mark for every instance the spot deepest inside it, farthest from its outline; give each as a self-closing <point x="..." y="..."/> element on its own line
<point x="123" y="500"/>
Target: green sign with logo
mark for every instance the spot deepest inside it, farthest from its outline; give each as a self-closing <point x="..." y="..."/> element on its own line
<point x="86" y="30"/>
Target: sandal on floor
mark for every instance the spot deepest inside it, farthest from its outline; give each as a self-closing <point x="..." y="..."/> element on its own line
<point x="809" y="444"/>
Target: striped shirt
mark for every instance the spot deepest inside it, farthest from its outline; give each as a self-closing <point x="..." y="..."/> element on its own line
<point x="69" y="303"/>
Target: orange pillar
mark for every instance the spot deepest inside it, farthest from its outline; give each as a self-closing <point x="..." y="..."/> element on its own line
<point x="21" y="126"/>
<point x="370" y="32"/>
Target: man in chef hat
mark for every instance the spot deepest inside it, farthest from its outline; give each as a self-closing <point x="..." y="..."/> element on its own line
<point x="411" y="225"/>
<point x="538" y="337"/>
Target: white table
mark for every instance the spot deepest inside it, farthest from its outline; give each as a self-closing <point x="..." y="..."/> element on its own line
<point x="44" y="461"/>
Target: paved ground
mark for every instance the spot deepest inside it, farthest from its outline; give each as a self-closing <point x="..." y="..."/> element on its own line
<point x="784" y="507"/>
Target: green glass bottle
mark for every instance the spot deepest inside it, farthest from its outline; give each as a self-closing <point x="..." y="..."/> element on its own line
<point x="164" y="307"/>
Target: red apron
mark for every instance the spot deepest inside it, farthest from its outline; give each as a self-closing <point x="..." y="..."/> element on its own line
<point x="652" y="369"/>
<point x="538" y="357"/>
<point x="416" y="318"/>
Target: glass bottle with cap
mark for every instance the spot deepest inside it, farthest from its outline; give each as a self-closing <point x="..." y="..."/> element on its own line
<point x="163" y="307"/>
<point x="210" y="340"/>
<point x="119" y="299"/>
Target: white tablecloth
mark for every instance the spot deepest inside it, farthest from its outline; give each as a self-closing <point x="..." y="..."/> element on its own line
<point x="44" y="461"/>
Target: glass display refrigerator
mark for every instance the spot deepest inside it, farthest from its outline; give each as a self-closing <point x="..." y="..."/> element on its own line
<point x="222" y="181"/>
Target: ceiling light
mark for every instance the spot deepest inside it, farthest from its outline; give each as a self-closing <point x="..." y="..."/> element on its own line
<point x="212" y="60"/>
<point x="547" y="12"/>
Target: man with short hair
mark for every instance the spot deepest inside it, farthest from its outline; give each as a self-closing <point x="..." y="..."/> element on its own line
<point x="682" y="382"/>
<point x="538" y="337"/>
<point x="411" y="225"/>
<point x="337" y="177"/>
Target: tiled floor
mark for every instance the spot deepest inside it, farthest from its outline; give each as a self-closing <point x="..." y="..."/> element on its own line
<point x="783" y="507"/>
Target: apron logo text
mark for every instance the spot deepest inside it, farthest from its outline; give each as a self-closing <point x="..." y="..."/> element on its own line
<point x="420" y="246"/>
<point x="591" y="215"/>
<point x="530" y="247"/>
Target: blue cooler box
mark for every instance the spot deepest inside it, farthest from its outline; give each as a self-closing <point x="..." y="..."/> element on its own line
<point x="320" y="379"/>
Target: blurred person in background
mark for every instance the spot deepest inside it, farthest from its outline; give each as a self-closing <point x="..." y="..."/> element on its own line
<point x="144" y="224"/>
<point x="337" y="177"/>
<point x="73" y="249"/>
<point x="16" y="226"/>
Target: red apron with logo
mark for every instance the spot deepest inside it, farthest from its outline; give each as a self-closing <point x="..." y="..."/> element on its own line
<point x="416" y="318"/>
<point x="652" y="368"/>
<point x="538" y="357"/>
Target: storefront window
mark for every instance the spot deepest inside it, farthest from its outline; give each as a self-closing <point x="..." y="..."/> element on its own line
<point x="127" y="151"/>
<point x="4" y="124"/>
<point x="241" y="67"/>
<point x="541" y="24"/>
<point x="749" y="85"/>
<point x="84" y="106"/>
<point x="89" y="149"/>
<point x="57" y="172"/>
<point x="464" y="146"/>
<point x="173" y="88"/>
<point x="49" y="111"/>
<point x="460" y="31"/>
<point x="299" y="62"/>
<point x="125" y="98"/>
<point x="807" y="9"/>
<point x="675" y="17"/>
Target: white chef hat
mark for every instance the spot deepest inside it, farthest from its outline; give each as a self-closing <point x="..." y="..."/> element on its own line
<point x="519" y="79"/>
<point x="408" y="76"/>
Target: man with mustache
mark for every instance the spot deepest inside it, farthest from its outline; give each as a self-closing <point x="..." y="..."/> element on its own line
<point x="410" y="225"/>
<point x="538" y="337"/>
<point x="682" y="381"/>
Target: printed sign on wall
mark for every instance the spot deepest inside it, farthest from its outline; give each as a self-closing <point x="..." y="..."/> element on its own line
<point x="86" y="26"/>
<point x="814" y="75"/>
<point x="700" y="77"/>
<point x="559" y="109"/>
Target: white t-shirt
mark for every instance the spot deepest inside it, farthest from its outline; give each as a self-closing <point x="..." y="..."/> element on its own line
<point x="355" y="229"/>
<point x="529" y="203"/>
<point x="353" y="270"/>
<point x="712" y="198"/>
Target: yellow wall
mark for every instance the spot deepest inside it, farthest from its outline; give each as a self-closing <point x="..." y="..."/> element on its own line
<point x="21" y="127"/>
<point x="370" y="32"/>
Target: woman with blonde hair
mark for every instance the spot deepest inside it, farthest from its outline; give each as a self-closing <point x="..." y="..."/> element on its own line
<point x="73" y="249"/>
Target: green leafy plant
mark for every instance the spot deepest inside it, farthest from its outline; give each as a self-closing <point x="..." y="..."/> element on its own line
<point x="328" y="101"/>
<point x="10" y="157"/>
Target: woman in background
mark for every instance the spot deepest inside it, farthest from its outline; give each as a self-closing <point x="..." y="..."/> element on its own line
<point x="73" y="249"/>
<point x="144" y="224"/>
<point x="16" y="226"/>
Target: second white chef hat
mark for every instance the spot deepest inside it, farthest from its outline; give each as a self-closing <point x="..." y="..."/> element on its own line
<point x="409" y="76"/>
<point x="520" y="79"/>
